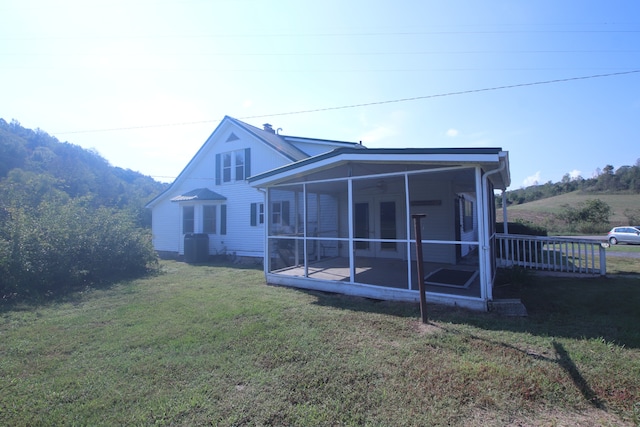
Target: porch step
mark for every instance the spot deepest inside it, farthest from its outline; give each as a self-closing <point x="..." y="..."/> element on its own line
<point x="508" y="307"/>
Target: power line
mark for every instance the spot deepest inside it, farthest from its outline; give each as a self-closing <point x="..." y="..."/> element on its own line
<point x="464" y="92"/>
<point x="336" y="34"/>
<point x="368" y="104"/>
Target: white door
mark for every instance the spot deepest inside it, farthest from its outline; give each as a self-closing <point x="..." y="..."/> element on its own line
<point x="379" y="218"/>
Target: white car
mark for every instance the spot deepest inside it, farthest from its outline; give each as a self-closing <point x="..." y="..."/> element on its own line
<point x="628" y="234"/>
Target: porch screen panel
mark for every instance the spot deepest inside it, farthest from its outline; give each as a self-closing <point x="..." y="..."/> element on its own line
<point x="361" y="225"/>
<point x="285" y="229"/>
<point x="388" y="229"/>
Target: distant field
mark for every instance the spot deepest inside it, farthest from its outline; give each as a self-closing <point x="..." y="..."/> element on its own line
<point x="543" y="210"/>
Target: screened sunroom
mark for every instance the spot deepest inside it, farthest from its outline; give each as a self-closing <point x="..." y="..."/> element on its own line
<point x="343" y="222"/>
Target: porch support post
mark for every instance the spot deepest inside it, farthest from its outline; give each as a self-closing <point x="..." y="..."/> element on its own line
<point x="505" y="220"/>
<point x="267" y="226"/>
<point x="352" y="263"/>
<point x="304" y="231"/>
<point x="407" y="219"/>
<point x="483" y="244"/>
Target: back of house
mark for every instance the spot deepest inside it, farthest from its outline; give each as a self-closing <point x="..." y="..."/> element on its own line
<point x="211" y="199"/>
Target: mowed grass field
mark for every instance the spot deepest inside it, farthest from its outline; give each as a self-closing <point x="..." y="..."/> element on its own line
<point x="215" y="345"/>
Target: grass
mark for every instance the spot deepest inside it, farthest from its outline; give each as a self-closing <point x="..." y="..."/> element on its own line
<point x="207" y="344"/>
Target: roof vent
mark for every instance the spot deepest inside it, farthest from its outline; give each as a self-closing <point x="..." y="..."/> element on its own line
<point x="268" y="127"/>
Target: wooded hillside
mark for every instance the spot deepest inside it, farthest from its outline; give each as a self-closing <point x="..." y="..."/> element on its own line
<point x="67" y="217"/>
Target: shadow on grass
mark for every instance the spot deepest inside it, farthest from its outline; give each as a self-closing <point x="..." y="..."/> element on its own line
<point x="565" y="361"/>
<point x="577" y="308"/>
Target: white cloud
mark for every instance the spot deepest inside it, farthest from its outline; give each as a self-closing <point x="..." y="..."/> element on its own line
<point x="574" y="174"/>
<point x="382" y="129"/>
<point x="452" y="133"/>
<point x="531" y="180"/>
<point x="377" y="134"/>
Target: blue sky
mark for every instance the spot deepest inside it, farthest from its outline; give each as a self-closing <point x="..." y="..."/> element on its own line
<point x="145" y="82"/>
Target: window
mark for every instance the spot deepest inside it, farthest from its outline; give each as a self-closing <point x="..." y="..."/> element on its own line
<point x="257" y="214"/>
<point x="187" y="219"/>
<point x="276" y="213"/>
<point x="226" y="167"/>
<point x="261" y="213"/>
<point x="233" y="166"/>
<point x="209" y="219"/>
<point x="280" y="217"/>
<point x="467" y="223"/>
<point x="239" y="162"/>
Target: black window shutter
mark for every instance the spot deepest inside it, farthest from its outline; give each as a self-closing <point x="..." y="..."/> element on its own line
<point x="254" y="214"/>
<point x="285" y="212"/>
<point x="218" y="171"/>
<point x="223" y="219"/>
<point x="247" y="163"/>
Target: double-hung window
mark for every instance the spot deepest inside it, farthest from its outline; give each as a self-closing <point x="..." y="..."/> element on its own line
<point x="226" y="167"/>
<point x="233" y="166"/>
<point x="187" y="219"/>
<point x="257" y="214"/>
<point x="209" y="213"/>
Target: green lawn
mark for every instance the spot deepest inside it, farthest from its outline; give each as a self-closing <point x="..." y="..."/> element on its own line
<point x="200" y="345"/>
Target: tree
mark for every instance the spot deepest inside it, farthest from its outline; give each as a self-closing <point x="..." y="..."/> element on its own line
<point x="591" y="216"/>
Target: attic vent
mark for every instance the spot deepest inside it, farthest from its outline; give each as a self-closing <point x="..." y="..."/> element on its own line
<point x="268" y="127"/>
<point x="232" y="137"/>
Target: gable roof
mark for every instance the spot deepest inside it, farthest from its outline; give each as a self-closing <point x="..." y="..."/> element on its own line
<point x="272" y="139"/>
<point x="198" y="194"/>
<point x="283" y="145"/>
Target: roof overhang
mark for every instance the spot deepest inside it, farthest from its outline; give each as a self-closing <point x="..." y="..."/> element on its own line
<point x="199" y="195"/>
<point x="488" y="159"/>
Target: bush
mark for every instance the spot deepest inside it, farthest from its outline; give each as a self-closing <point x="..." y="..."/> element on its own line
<point x="58" y="247"/>
<point x="522" y="227"/>
<point x="590" y="217"/>
<point x="633" y="215"/>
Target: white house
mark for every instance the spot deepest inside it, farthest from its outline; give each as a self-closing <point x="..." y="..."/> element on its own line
<point x="336" y="216"/>
<point x="349" y="222"/>
<point x="211" y="195"/>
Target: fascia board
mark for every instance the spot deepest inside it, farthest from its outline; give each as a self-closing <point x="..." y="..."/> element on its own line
<point x="272" y="177"/>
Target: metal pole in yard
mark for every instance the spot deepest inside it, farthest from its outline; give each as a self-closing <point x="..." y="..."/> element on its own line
<point x="419" y="266"/>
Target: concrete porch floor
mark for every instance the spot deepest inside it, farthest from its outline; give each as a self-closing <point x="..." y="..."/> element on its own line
<point x="385" y="272"/>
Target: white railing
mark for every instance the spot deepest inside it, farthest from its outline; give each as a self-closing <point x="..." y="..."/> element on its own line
<point x="559" y="254"/>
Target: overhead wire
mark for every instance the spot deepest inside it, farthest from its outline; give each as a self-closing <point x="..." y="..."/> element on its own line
<point x="365" y="104"/>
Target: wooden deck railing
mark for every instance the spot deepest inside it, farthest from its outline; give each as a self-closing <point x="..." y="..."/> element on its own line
<point x="559" y="254"/>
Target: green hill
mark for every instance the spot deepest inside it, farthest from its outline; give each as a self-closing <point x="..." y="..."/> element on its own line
<point x="543" y="211"/>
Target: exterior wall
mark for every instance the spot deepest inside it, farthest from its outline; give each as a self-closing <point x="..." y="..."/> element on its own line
<point x="440" y="221"/>
<point x="164" y="222"/>
<point x="241" y="238"/>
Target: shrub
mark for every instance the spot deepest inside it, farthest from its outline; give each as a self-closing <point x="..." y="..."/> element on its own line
<point x="589" y="217"/>
<point x="63" y="246"/>
<point x="522" y="227"/>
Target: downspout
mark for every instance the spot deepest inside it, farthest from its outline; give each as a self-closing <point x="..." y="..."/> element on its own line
<point x="485" y="231"/>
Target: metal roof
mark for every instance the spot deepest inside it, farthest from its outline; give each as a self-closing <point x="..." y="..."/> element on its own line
<point x="198" y="194"/>
<point x="481" y="156"/>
